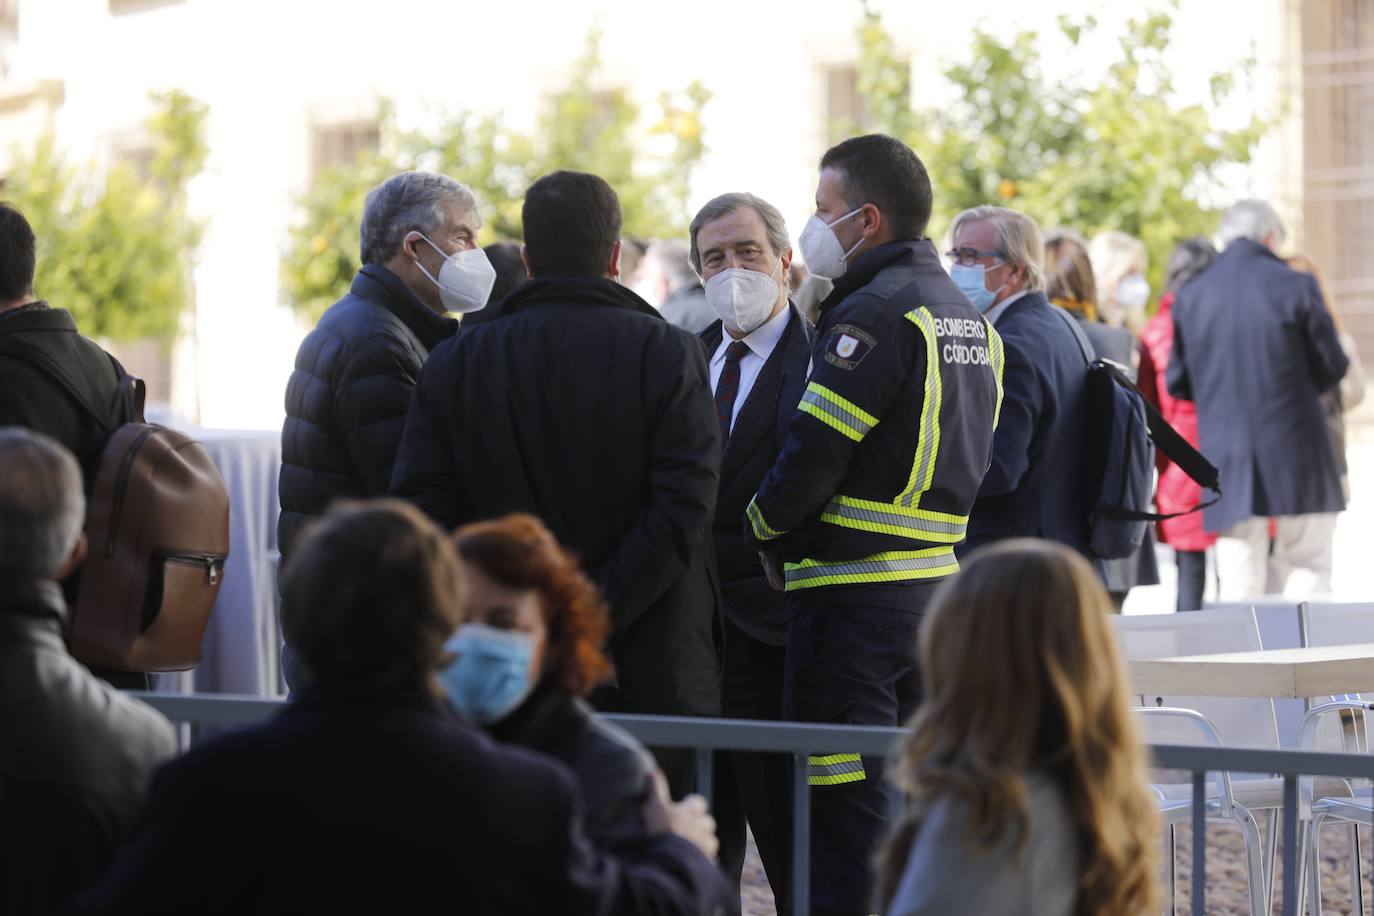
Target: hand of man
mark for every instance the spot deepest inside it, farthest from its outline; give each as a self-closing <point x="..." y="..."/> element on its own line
<point x="689" y="818"/>
<point x="772" y="568"/>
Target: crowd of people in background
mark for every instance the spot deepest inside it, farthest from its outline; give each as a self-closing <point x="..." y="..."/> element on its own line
<point x="835" y="481"/>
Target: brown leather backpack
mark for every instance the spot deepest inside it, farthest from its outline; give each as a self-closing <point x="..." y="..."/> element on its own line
<point x="158" y="533"/>
<point x="157" y="527"/>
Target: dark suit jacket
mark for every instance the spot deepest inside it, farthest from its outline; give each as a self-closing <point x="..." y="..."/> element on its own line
<point x="582" y="406"/>
<point x="383" y="804"/>
<point x="1034" y="486"/>
<point x="1255" y="346"/>
<point x="758" y="435"/>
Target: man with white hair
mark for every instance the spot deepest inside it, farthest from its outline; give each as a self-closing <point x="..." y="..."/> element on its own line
<point x="668" y="282"/>
<point x="1254" y="347"/>
<point x="1034" y="486"/>
<point x="78" y="754"/>
<point x="346" y="400"/>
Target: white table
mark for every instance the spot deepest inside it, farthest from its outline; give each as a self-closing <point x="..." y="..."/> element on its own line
<point x="1277" y="673"/>
<point x="243" y="641"/>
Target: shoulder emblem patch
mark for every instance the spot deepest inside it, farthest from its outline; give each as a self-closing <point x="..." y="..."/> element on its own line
<point x="847" y="345"/>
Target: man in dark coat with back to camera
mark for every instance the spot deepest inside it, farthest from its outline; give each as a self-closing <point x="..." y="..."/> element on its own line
<point x="758" y="350"/>
<point x="1255" y="347"/>
<point x="346" y="399"/>
<point x="582" y="406"/>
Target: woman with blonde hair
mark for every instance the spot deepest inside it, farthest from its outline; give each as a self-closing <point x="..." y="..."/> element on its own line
<point x="1025" y="775"/>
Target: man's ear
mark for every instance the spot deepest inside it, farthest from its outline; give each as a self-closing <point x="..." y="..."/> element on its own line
<point x="525" y="259"/>
<point x="873" y="220"/>
<point x="74" y="559"/>
<point x="613" y="269"/>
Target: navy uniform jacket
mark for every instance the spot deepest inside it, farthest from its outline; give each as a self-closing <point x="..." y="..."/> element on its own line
<point x="758" y="434"/>
<point x="1255" y="346"/>
<point x="894" y="430"/>
<point x="1034" y="487"/>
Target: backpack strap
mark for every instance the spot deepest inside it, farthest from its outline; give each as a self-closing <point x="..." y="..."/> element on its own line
<point x="1168" y="441"/>
<point x="126" y="406"/>
<point x="1085" y="345"/>
<point x="1164" y="436"/>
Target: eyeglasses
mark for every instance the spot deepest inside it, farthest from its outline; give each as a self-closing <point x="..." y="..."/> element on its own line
<point x="968" y="257"/>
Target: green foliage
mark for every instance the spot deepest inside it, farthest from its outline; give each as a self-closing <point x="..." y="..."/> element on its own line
<point x="115" y="249"/>
<point x="1115" y="151"/>
<point x="582" y="128"/>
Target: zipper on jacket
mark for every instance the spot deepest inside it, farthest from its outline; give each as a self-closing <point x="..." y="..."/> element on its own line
<point x="213" y="565"/>
<point x="121" y="483"/>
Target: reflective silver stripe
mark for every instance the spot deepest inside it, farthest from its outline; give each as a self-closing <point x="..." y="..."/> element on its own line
<point x="923" y="468"/>
<point x="915" y="525"/>
<point x="894" y="566"/>
<point x="835" y="769"/>
<point x="849" y="423"/>
<point x="998" y="368"/>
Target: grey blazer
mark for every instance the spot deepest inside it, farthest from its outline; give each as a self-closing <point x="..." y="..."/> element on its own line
<point x="942" y="876"/>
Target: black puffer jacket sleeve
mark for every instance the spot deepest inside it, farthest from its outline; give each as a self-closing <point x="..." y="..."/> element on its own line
<point x="370" y="403"/>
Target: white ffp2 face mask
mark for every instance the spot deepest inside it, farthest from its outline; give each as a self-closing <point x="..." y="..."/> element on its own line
<point x="821" y="248"/>
<point x="1133" y="292"/>
<point x="465" y="279"/>
<point x="743" y="298"/>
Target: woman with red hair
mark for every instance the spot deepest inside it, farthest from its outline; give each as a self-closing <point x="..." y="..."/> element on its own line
<point x="527" y="654"/>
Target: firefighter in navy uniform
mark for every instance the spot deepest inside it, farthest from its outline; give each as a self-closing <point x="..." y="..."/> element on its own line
<point x="873" y="487"/>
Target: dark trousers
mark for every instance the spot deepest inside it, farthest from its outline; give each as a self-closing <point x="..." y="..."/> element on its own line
<point x="851" y="660"/>
<point x="751" y="790"/>
<point x="1192" y="578"/>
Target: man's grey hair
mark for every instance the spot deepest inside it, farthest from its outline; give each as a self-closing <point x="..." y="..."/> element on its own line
<point x="1018" y="240"/>
<point x="671" y="257"/>
<point x="410" y="201"/>
<point x="1251" y="219"/>
<point x="42" y="504"/>
<point x="725" y="204"/>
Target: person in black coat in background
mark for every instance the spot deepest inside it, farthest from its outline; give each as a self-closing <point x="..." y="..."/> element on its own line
<point x="346" y="399"/>
<point x="75" y="755"/>
<point x="582" y="406"/>
<point x="1254" y="347"/>
<point x="367" y="793"/>
<point x="758" y="351"/>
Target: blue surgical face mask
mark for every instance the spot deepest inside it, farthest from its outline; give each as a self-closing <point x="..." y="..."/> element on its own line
<point x="491" y="675"/>
<point x="972" y="283"/>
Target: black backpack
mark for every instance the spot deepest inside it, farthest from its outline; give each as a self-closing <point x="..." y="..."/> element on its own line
<point x="1123" y="431"/>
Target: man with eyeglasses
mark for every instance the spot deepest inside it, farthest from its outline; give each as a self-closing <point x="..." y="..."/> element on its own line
<point x="859" y="515"/>
<point x="1034" y="486"/>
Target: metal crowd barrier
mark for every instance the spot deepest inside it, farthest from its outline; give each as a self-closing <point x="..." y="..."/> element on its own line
<point x="801" y="740"/>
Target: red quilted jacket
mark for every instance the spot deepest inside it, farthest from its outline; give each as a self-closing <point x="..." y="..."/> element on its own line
<point x="1177" y="491"/>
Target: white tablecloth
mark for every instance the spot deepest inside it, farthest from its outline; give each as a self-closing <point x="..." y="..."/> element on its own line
<point x="243" y="641"/>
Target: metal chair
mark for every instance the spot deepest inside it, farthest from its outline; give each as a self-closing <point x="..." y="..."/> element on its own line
<point x="1216" y="720"/>
<point x="1341" y="724"/>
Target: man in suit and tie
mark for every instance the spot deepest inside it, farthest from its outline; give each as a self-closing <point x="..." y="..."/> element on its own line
<point x="758" y="351"/>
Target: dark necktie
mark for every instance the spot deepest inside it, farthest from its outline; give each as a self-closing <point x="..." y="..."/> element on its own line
<point x="728" y="387"/>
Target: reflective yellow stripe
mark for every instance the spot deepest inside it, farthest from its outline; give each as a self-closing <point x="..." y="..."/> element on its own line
<point x="886" y="518"/>
<point x="834" y="411"/>
<point x="835" y="769"/>
<point x="762" y="530"/>
<point x="891" y="566"/>
<point x="999" y="361"/>
<point x="928" y="441"/>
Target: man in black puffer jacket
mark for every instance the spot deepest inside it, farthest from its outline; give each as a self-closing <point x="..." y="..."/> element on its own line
<point x="347" y="397"/>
